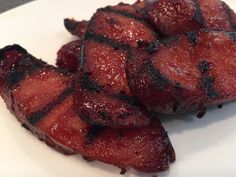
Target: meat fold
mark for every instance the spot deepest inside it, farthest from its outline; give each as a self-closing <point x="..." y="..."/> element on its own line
<point x="177" y="16"/>
<point x="101" y="78"/>
<point x="41" y="98"/>
<point x="186" y="72"/>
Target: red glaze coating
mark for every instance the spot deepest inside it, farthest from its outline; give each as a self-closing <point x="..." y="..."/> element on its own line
<point x="177" y="16"/>
<point x="111" y="33"/>
<point x="147" y="149"/>
<point x="189" y="72"/>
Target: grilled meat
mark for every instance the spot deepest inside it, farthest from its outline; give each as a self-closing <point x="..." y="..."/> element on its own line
<point x="41" y="98"/>
<point x="111" y="33"/>
<point x="185" y="72"/>
<point x="177" y="16"/>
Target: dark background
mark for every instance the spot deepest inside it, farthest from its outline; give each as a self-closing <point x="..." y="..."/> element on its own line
<point x="9" y="4"/>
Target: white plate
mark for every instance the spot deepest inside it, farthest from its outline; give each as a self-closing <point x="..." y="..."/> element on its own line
<point x="204" y="148"/>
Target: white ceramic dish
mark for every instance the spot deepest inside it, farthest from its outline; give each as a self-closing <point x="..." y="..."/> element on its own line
<point x="204" y="148"/>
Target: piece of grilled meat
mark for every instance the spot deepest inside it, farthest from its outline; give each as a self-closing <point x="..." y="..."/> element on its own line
<point x="41" y="98"/>
<point x="101" y="79"/>
<point x="185" y="72"/>
<point x="68" y="56"/>
<point x="177" y="16"/>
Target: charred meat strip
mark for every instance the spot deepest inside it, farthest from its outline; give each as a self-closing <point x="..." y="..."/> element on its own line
<point x="77" y="28"/>
<point x="174" y="17"/>
<point x="54" y="121"/>
<point x="189" y="72"/>
<point x="68" y="56"/>
<point x="122" y="23"/>
<point x="110" y="34"/>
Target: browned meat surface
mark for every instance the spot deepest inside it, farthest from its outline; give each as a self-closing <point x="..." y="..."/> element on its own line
<point x="68" y="56"/>
<point x="110" y="34"/>
<point x="185" y="72"/>
<point x="177" y="16"/>
<point x="77" y="28"/>
<point x="41" y="97"/>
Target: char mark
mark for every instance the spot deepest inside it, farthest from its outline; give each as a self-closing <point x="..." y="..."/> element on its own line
<point x="18" y="71"/>
<point x="232" y="35"/>
<point x="131" y="100"/>
<point x="36" y="117"/>
<point x="105" y="115"/>
<point x="176" y="106"/>
<point x="152" y="47"/>
<point x="159" y="82"/>
<point x="25" y="126"/>
<point x="208" y="85"/>
<point x="204" y="66"/>
<point x="70" y="25"/>
<point x="123" y="13"/>
<point x="93" y="133"/>
<point x="198" y="16"/>
<point x="193" y="37"/>
<point x="13" y="47"/>
<point x="177" y="102"/>
<point x="105" y="40"/>
<point x="88" y="84"/>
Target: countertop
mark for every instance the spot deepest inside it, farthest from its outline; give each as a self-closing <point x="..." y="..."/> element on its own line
<point x="9" y="4"/>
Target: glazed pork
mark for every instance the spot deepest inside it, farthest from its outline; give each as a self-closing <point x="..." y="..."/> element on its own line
<point x="177" y="16"/>
<point x="104" y="95"/>
<point x="185" y="72"/>
<point x="41" y="98"/>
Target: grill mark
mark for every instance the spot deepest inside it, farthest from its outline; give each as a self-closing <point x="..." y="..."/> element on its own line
<point x="88" y="84"/>
<point x="232" y="35"/>
<point x="93" y="133"/>
<point x="204" y="66"/>
<point x="109" y="9"/>
<point x="18" y="71"/>
<point x="131" y="100"/>
<point x="105" y="40"/>
<point x="14" y="47"/>
<point x="193" y="37"/>
<point x="152" y="47"/>
<point x="105" y="115"/>
<point x="177" y="101"/>
<point x="159" y="82"/>
<point x="229" y="12"/>
<point x="208" y="85"/>
<point x="37" y="116"/>
<point x="198" y="16"/>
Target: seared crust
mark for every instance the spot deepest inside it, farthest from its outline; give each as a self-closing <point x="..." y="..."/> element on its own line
<point x="48" y="112"/>
<point x="188" y="72"/>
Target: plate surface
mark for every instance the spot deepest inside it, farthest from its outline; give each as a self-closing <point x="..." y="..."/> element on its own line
<point x="204" y="148"/>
